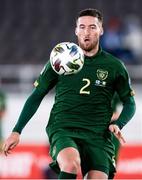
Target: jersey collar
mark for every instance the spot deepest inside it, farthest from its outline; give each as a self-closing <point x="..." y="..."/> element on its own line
<point x="97" y="54"/>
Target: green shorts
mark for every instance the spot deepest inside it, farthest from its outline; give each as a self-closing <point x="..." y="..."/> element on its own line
<point x="93" y="156"/>
<point x="117" y="146"/>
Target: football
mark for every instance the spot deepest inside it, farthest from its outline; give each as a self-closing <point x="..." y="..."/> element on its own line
<point x="67" y="58"/>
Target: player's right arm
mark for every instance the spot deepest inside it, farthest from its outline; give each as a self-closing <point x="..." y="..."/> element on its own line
<point x="11" y="143"/>
<point x="43" y="84"/>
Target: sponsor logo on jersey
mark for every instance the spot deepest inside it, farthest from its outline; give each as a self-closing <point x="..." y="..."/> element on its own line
<point x="102" y="74"/>
<point x="100" y="83"/>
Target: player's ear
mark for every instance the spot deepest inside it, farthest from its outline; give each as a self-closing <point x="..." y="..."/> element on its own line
<point x="102" y="31"/>
<point x="76" y="31"/>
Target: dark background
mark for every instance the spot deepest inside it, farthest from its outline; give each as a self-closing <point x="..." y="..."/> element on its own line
<point x="29" y="29"/>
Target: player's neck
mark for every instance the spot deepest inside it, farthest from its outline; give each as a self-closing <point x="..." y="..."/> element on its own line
<point x="93" y="52"/>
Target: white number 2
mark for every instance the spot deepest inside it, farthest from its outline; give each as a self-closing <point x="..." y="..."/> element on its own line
<point x="82" y="90"/>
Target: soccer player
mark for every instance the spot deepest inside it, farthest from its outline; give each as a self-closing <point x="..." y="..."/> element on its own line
<point x="80" y="127"/>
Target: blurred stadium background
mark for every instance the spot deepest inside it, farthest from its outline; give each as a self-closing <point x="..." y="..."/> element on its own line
<point x="29" y="29"/>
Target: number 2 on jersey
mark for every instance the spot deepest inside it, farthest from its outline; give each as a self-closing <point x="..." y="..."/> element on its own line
<point x="83" y="89"/>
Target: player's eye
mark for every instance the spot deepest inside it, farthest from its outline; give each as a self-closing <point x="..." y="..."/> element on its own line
<point x="93" y="27"/>
<point x="81" y="26"/>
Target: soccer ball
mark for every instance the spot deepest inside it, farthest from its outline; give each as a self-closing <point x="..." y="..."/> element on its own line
<point x="67" y="58"/>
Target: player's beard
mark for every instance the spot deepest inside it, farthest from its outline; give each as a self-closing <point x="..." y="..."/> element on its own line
<point x="88" y="46"/>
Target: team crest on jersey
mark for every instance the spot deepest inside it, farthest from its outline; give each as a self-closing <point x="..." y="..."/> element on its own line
<point x="102" y="74"/>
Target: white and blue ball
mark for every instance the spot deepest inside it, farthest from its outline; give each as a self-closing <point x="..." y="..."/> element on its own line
<point x="67" y="58"/>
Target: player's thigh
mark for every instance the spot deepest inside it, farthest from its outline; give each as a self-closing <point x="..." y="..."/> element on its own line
<point x="63" y="147"/>
<point x="69" y="160"/>
<point x="57" y="145"/>
<point x="68" y="154"/>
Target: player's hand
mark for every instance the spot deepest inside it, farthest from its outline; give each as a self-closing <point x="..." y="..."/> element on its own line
<point x="116" y="131"/>
<point x="10" y="143"/>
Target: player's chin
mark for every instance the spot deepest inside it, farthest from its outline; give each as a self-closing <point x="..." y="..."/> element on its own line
<point x="87" y="47"/>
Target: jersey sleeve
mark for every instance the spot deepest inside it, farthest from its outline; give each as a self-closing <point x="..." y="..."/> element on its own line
<point x="47" y="79"/>
<point x="43" y="84"/>
<point x="129" y="108"/>
<point x="123" y="83"/>
<point x="123" y="88"/>
<point x="30" y="107"/>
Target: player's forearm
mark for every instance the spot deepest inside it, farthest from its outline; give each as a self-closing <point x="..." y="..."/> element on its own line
<point x="127" y="113"/>
<point x="29" y="109"/>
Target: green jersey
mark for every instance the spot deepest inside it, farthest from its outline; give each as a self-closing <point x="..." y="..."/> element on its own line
<point x="83" y="100"/>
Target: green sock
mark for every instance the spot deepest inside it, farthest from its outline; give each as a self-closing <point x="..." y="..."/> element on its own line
<point x="65" y="175"/>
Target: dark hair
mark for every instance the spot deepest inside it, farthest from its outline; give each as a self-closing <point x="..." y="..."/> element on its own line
<point x="91" y="12"/>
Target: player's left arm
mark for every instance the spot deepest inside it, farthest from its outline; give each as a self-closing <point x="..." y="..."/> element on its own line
<point x="129" y="108"/>
<point x="126" y="94"/>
